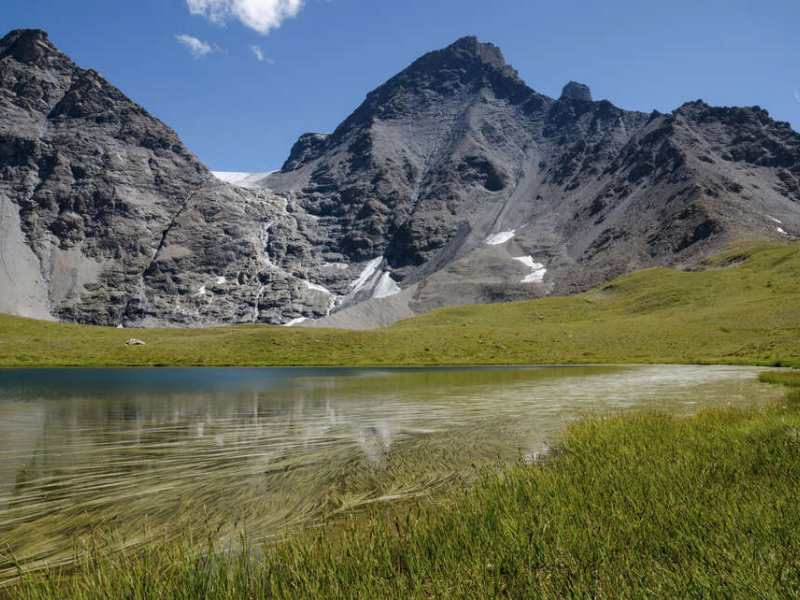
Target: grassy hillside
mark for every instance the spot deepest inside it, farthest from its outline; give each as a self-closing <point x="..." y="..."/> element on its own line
<point x="743" y="306"/>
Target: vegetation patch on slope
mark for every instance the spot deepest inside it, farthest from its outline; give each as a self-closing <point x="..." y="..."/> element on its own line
<point x="739" y="307"/>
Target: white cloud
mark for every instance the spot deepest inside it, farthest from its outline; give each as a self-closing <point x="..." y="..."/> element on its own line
<point x="260" y="55"/>
<point x="797" y="95"/>
<point x="197" y="48"/>
<point x="261" y="15"/>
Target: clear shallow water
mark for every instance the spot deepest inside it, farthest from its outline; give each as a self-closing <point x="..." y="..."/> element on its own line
<point x="157" y="450"/>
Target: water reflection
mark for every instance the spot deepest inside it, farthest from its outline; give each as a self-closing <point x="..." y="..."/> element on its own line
<point x="269" y="448"/>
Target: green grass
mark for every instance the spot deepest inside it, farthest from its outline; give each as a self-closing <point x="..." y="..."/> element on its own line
<point x="628" y="507"/>
<point x="789" y="379"/>
<point x="741" y="308"/>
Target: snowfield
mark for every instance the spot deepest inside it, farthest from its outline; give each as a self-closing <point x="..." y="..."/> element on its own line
<point x="499" y="238"/>
<point x="245" y="180"/>
<point x="537" y="269"/>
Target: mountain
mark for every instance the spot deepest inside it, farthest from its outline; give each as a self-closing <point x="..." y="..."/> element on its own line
<point x="106" y="218"/>
<point x="466" y="186"/>
<point x="454" y="182"/>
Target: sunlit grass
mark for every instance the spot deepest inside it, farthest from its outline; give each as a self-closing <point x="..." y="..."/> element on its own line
<point x="791" y="379"/>
<point x="629" y="506"/>
<point x="741" y="308"/>
<point x="787" y="378"/>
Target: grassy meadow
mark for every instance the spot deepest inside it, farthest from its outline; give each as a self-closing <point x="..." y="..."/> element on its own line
<point x="626" y="507"/>
<point x="739" y="307"/>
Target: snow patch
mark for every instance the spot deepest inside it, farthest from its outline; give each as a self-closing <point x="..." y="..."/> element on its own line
<point x="378" y="283"/>
<point x="331" y="305"/>
<point x="318" y="288"/>
<point x="499" y="238"/>
<point x="294" y="322"/>
<point x="782" y="231"/>
<point x="221" y="280"/>
<point x="338" y="266"/>
<point x="537" y="269"/>
<point x="201" y="291"/>
<point x="258" y="299"/>
<point x="375" y="281"/>
<point x="245" y="180"/>
<point x="365" y="276"/>
<point x="774" y="219"/>
<point x="386" y="287"/>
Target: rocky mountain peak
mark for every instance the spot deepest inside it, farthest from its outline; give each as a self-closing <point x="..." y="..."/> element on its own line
<point x="468" y="57"/>
<point x="28" y="46"/>
<point x="577" y="91"/>
<point x="470" y="48"/>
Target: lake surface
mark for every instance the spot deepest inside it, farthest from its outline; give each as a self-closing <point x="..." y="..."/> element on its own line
<point x="151" y="451"/>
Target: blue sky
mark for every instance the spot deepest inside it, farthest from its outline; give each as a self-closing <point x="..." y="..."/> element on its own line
<point x="321" y="57"/>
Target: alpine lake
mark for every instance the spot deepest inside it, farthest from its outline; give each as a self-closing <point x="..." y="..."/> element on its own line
<point x="135" y="454"/>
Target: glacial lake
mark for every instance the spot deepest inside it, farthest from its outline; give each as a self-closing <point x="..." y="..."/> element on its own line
<point x="154" y="451"/>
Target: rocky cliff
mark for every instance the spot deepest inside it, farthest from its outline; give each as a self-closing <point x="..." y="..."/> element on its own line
<point x="454" y="182"/>
<point x="106" y="218"/>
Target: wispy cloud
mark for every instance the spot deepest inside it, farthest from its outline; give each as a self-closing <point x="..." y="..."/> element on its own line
<point x="197" y="48"/>
<point x="261" y="15"/>
<point x="260" y="55"/>
<point x="797" y="95"/>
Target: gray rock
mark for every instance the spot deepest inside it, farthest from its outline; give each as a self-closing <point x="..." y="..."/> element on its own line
<point x="108" y="219"/>
<point x="453" y="183"/>
<point x="456" y="150"/>
<point x="135" y="342"/>
<point x="576" y="91"/>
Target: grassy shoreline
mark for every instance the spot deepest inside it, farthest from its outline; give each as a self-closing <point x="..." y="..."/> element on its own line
<point x="627" y="505"/>
<point x="741" y="308"/>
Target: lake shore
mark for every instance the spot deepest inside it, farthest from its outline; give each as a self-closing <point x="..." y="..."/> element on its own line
<point x="626" y="505"/>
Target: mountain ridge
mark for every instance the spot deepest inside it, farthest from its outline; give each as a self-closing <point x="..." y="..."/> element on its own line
<point x="452" y="183"/>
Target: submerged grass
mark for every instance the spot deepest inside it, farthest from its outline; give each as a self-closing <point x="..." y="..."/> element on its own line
<point x="742" y="307"/>
<point x="787" y="378"/>
<point x="629" y="506"/>
<point x="790" y="379"/>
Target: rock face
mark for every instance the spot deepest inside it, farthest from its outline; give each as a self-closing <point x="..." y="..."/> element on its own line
<point x="106" y="218"/>
<point x="576" y="91"/>
<point x="453" y="182"/>
<point x="468" y="186"/>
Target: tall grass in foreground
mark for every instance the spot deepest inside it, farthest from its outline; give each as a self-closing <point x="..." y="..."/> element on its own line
<point x="629" y="506"/>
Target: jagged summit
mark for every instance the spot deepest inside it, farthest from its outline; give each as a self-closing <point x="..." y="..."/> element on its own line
<point x="27" y="45"/>
<point x="454" y="73"/>
<point x="466" y="54"/>
<point x="470" y="47"/>
<point x="24" y="36"/>
<point x="577" y="91"/>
